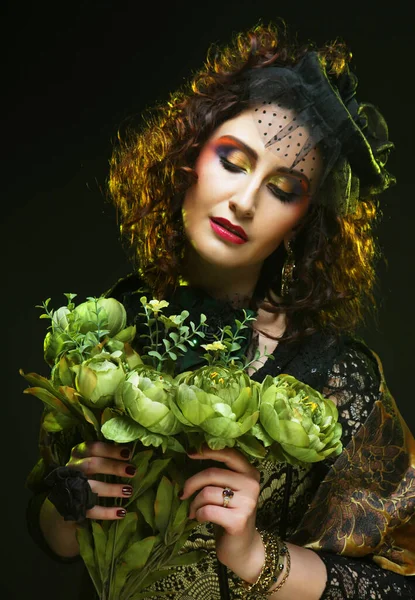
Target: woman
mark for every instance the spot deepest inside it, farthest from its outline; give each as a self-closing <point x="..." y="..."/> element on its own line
<point x="256" y="187"/>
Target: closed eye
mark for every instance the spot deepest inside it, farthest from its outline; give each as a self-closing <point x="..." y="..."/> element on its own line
<point x="283" y="195"/>
<point x="229" y="166"/>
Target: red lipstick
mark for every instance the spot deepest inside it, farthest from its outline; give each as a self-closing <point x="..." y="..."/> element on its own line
<point x="228" y="231"/>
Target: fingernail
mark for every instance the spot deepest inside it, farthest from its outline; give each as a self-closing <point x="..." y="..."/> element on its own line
<point x="130" y="470"/>
<point x="127" y="490"/>
<point x="125" y="453"/>
<point x="121" y="512"/>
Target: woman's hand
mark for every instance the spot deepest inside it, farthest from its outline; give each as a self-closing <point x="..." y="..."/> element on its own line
<point x="102" y="458"/>
<point x="238" y="543"/>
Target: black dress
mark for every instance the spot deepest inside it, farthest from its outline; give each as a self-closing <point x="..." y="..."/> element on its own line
<point x="343" y="368"/>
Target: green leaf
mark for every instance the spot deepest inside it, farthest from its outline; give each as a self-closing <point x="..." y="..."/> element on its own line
<point x="120" y="576"/>
<point x="140" y="460"/>
<point x="172" y="355"/>
<point x="190" y="525"/>
<point x="174" y="444"/>
<point x="174" y="336"/>
<point x="90" y="417"/>
<point x="84" y="538"/>
<point x="179" y="518"/>
<point x="141" y="484"/>
<point x="138" y="553"/>
<point x="37" y="380"/>
<point x="251" y="446"/>
<point x="49" y="399"/>
<point x="120" y="530"/>
<point x="100" y="543"/>
<point x="71" y="398"/>
<point x="162" y="505"/>
<point x="155" y="353"/>
<point x="145" y="505"/>
<point x="122" y="429"/>
<point x="55" y="421"/>
<point x="151" y="578"/>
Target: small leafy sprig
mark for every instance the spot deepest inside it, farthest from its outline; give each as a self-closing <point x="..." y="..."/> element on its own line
<point x="225" y="350"/>
<point x="66" y="325"/>
<point x="167" y="336"/>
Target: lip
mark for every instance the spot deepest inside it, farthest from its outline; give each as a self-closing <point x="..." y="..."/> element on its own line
<point x="228" y="230"/>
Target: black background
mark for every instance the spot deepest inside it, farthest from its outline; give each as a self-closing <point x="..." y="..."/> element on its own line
<point x="71" y="72"/>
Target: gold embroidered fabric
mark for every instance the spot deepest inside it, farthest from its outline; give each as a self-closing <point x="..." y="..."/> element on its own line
<point x="366" y="503"/>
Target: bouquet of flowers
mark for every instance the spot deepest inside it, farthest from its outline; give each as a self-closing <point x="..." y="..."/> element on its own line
<point x="100" y="386"/>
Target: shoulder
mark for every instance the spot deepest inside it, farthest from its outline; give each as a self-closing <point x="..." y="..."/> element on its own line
<point x="318" y="357"/>
<point x="355" y="366"/>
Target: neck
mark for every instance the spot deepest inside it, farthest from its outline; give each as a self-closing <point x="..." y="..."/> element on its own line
<point x="235" y="284"/>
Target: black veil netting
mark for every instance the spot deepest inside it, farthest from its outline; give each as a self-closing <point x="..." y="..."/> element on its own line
<point x="352" y="136"/>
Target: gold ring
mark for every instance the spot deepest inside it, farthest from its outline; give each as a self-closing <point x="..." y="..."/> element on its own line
<point x="227" y="495"/>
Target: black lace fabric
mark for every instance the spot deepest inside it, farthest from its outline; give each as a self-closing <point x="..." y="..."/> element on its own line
<point x="346" y="371"/>
<point x="360" y="580"/>
<point x="353" y="384"/>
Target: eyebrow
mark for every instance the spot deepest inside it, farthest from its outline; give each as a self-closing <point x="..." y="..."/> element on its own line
<point x="254" y="156"/>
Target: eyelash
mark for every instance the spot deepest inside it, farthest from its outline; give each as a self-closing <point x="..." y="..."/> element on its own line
<point x="276" y="191"/>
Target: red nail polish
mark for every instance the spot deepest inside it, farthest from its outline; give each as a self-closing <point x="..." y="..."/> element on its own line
<point x="127" y="490"/>
<point x="121" y="512"/>
<point x="125" y="453"/>
<point x="130" y="470"/>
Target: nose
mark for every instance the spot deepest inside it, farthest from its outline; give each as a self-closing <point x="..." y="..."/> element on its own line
<point x="244" y="202"/>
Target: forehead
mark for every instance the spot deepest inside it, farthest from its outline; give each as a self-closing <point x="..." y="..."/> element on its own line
<point x="260" y="127"/>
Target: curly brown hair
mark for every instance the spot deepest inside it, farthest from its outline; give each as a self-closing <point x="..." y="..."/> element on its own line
<point x="152" y="167"/>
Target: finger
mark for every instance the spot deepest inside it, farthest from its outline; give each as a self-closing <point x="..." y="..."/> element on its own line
<point x="102" y="449"/>
<point x="110" y="490"/>
<point x="94" y="465"/>
<point x="233" y="522"/>
<point x="214" y="495"/>
<point x="220" y="478"/>
<point x="106" y="513"/>
<point x="232" y="458"/>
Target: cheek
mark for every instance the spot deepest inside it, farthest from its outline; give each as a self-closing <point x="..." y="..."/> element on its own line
<point x="211" y="185"/>
<point x="280" y="222"/>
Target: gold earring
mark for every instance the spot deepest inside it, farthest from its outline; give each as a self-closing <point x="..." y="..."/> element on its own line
<point x="287" y="274"/>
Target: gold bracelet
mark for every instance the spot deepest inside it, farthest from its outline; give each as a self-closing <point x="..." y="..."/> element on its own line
<point x="271" y="567"/>
<point x="268" y="566"/>
<point x="286" y="552"/>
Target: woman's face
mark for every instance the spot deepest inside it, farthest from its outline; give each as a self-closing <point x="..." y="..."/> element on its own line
<point x="245" y="201"/>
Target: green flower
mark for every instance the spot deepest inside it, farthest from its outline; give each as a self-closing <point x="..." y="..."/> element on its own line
<point x="100" y="314"/>
<point x="56" y="343"/>
<point x="220" y="402"/>
<point x="297" y="421"/>
<point x="145" y="396"/>
<point x="60" y="318"/>
<point x="98" y="378"/>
